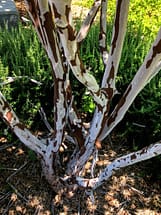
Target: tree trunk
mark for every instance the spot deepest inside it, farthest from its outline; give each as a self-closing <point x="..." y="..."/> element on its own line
<point x="53" y="22"/>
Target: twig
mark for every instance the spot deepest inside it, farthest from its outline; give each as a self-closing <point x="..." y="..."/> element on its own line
<point x="10" y="203"/>
<point x="12" y="186"/>
<point x="13" y="79"/>
<point x="21" y="167"/>
<point x="4" y="196"/>
<point x="91" y="196"/>
<point x="100" y="212"/>
<point x="44" y="119"/>
<point x="135" y="190"/>
<point x="79" y="203"/>
<point x="52" y="208"/>
<point x="79" y="208"/>
<point x="17" y="192"/>
<point x="38" y="210"/>
<point x="139" y="125"/>
<point x="6" y="146"/>
<point x="25" y="20"/>
<point x="110" y="141"/>
<point x="95" y="159"/>
<point x="122" y="204"/>
<point x="6" y="168"/>
<point x="69" y="138"/>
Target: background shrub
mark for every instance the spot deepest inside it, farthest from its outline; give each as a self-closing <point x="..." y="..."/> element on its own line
<point x="23" y="58"/>
<point x="22" y="55"/>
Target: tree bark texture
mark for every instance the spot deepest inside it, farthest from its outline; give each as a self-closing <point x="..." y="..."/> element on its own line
<point x="53" y="23"/>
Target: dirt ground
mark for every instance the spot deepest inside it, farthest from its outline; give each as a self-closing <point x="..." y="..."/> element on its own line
<point x="23" y="189"/>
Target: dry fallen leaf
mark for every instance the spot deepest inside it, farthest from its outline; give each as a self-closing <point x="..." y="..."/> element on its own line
<point x="13" y="197"/>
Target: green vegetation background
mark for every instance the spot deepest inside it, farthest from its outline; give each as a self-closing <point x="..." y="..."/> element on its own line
<point x="22" y="57"/>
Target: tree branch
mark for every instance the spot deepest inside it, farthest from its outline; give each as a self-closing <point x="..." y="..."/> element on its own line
<point x="118" y="36"/>
<point x="41" y="13"/>
<point x="124" y="161"/>
<point x="63" y="17"/>
<point x="13" y="79"/>
<point x="150" y="67"/>
<point x="103" y="31"/>
<point x="11" y="119"/>
<point x="101" y="113"/>
<point x="85" y="27"/>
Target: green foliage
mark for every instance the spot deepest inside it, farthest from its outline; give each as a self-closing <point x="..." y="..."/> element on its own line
<point x="88" y="105"/>
<point x="145" y="115"/>
<point x="23" y="58"/>
<point x="143" y="121"/>
<point x="141" y="125"/>
<point x="22" y="55"/>
<point x="83" y="3"/>
<point x="146" y="12"/>
<point x="31" y="155"/>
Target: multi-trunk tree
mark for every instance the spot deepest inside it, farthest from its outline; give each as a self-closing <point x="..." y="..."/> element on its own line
<point x="53" y="22"/>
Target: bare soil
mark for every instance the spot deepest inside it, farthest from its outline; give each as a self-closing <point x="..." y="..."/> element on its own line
<point x="24" y="190"/>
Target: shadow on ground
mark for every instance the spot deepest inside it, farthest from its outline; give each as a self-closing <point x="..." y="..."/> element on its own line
<point x="23" y="189"/>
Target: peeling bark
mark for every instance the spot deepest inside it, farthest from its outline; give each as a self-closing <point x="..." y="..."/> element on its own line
<point x="124" y="161"/>
<point x="53" y="23"/>
<point x="88" y="21"/>
<point x="21" y="131"/>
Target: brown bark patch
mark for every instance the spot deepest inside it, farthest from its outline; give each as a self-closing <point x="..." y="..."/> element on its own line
<point x="9" y="116"/>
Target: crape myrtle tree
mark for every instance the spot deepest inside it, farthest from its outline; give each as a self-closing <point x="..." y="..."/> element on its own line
<point x="53" y="23"/>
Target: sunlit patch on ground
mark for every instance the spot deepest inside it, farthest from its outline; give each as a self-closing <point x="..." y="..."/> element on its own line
<point x="23" y="189"/>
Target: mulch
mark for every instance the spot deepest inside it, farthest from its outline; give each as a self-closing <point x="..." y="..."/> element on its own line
<point x="24" y="190"/>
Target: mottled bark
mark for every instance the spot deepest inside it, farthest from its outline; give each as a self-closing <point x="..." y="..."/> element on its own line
<point x="53" y="22"/>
